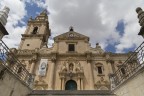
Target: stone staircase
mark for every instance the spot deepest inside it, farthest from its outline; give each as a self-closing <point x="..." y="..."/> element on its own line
<point x="71" y="93"/>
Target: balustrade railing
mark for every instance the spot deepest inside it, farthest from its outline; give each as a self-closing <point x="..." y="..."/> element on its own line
<point x="11" y="63"/>
<point x="134" y="63"/>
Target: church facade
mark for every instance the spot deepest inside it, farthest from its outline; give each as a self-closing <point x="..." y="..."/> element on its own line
<point x="70" y="64"/>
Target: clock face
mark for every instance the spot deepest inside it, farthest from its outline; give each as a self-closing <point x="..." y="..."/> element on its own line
<point x="71" y="35"/>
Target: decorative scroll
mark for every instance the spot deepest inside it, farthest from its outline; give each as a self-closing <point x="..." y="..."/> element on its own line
<point x="42" y="67"/>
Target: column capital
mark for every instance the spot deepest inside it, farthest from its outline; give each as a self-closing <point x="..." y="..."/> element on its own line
<point x="62" y="77"/>
<point x="34" y="57"/>
<point x="32" y="60"/>
<point x="89" y="57"/>
<point x="53" y="56"/>
<point x="53" y="59"/>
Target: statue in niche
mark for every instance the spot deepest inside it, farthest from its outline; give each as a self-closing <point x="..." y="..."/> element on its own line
<point x="71" y="67"/>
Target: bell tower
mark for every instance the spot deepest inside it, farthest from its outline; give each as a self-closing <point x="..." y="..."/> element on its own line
<point x="37" y="33"/>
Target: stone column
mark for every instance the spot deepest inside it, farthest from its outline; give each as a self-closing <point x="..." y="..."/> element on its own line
<point x="51" y="74"/>
<point x="82" y="87"/>
<point x="63" y="83"/>
<point x="79" y="83"/>
<point x="91" y="79"/>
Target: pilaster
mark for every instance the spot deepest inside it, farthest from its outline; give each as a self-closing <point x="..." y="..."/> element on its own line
<point x="52" y="70"/>
<point x="91" y="78"/>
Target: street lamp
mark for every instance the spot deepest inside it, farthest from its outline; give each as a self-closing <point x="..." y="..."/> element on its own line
<point x="3" y="31"/>
<point x="140" y="13"/>
<point x="3" y="21"/>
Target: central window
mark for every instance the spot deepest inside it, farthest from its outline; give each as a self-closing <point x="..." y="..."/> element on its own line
<point x="99" y="69"/>
<point x="71" y="47"/>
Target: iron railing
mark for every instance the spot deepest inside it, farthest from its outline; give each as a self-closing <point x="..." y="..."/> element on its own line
<point x="130" y="66"/>
<point x="9" y="60"/>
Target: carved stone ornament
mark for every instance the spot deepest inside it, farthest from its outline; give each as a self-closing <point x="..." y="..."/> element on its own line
<point x="102" y="84"/>
<point x="40" y="84"/>
<point x="71" y="68"/>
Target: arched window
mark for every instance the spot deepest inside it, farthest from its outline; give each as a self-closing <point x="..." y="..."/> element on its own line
<point x="35" y="30"/>
<point x="71" y="85"/>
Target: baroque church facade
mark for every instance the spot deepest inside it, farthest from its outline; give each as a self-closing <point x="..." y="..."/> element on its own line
<point x="70" y="64"/>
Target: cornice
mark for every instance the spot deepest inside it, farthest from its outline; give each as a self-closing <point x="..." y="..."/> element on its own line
<point x="37" y="22"/>
<point x="32" y="35"/>
<point x="25" y="52"/>
<point x="117" y="54"/>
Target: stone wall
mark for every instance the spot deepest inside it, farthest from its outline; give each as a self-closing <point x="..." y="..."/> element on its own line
<point x="71" y="93"/>
<point x="133" y="86"/>
<point x="11" y="85"/>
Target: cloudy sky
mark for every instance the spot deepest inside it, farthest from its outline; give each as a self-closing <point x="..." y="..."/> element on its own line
<point x="112" y="23"/>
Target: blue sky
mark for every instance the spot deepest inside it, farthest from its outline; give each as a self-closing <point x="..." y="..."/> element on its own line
<point x="113" y="24"/>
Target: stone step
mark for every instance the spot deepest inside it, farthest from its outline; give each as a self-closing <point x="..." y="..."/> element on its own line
<point x="71" y="93"/>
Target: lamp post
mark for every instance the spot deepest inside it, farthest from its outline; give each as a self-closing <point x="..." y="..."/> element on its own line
<point x="3" y="21"/>
<point x="140" y="13"/>
<point x="3" y="31"/>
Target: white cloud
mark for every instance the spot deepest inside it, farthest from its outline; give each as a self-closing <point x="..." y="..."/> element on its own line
<point x="40" y="3"/>
<point x="17" y="13"/>
<point x="13" y="40"/>
<point x="94" y="18"/>
<point x="97" y="19"/>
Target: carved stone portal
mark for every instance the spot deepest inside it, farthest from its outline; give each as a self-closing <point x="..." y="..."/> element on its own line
<point x="71" y="69"/>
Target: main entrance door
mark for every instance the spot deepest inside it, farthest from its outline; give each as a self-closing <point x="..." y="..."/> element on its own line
<point x="71" y="85"/>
